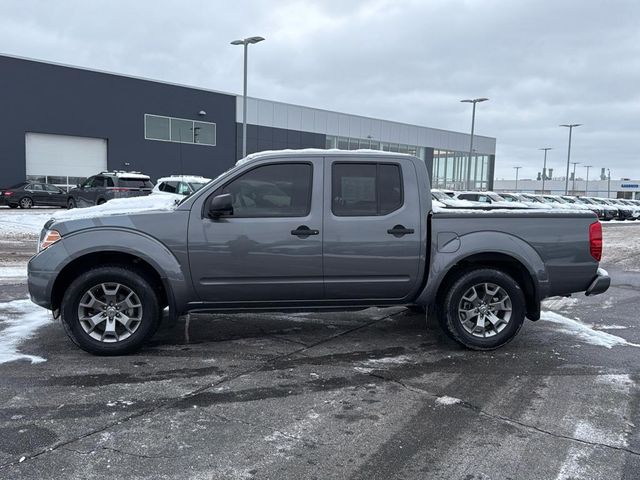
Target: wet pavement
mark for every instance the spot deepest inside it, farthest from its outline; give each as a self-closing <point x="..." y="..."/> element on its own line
<point x="375" y="394"/>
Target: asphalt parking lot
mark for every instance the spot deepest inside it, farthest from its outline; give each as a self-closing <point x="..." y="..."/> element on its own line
<point x="372" y="394"/>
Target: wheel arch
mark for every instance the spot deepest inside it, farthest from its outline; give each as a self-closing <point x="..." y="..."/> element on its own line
<point x="496" y="261"/>
<point x="116" y="246"/>
<point x="488" y="249"/>
<point x="83" y="263"/>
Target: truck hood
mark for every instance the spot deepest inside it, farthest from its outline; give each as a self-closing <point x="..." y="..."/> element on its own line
<point x="116" y="212"/>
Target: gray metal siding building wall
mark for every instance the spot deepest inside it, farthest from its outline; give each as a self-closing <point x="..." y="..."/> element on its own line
<point x="47" y="98"/>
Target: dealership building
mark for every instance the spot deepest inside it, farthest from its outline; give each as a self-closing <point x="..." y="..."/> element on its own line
<point x="598" y="187"/>
<point x="62" y="124"/>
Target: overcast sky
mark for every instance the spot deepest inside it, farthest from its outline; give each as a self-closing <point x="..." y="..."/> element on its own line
<point x="541" y="63"/>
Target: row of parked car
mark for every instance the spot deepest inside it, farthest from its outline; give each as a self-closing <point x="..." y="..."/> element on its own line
<point x="105" y="186"/>
<point x="606" y="208"/>
<point x="98" y="189"/>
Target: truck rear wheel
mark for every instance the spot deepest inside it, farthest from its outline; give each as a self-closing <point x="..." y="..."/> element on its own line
<point x="483" y="309"/>
<point x="110" y="310"/>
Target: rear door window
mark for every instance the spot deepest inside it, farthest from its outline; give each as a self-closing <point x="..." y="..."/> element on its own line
<point x="52" y="189"/>
<point x="365" y="189"/>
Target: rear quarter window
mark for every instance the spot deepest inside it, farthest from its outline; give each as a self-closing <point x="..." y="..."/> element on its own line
<point x="134" y="183"/>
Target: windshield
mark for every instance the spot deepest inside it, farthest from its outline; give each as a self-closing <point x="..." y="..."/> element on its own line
<point x="495" y="197"/>
<point x="439" y="195"/>
<point x="532" y="198"/>
<point x="227" y="172"/>
<point x="196" y="186"/>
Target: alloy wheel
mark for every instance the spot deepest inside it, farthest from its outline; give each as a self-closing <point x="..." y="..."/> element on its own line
<point x="110" y="312"/>
<point x="485" y="310"/>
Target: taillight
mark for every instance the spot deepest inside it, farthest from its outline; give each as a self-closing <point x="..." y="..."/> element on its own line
<point x="8" y="194"/>
<point x="595" y="240"/>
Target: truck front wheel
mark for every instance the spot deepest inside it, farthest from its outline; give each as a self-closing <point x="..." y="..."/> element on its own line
<point x="483" y="309"/>
<point x="110" y="310"/>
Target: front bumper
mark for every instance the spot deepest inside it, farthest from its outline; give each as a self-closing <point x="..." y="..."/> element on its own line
<point x="600" y="283"/>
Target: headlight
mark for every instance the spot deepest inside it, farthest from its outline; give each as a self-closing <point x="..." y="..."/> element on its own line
<point x="49" y="238"/>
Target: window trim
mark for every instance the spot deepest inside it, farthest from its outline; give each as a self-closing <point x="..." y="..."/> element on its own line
<point x="207" y="202"/>
<point x="377" y="164"/>
<point x="215" y="128"/>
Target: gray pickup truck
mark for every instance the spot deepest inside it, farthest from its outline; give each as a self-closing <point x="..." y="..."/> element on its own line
<point x="312" y="230"/>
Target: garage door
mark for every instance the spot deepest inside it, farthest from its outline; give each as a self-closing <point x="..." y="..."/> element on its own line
<point x="63" y="159"/>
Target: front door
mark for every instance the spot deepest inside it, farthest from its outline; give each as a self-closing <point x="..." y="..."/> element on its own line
<point x="270" y="249"/>
<point x="86" y="193"/>
<point x="372" y="229"/>
<point x="37" y="193"/>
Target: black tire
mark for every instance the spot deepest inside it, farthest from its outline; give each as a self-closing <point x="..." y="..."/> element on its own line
<point x="11" y="205"/>
<point x="452" y="323"/>
<point x="26" y="202"/>
<point x="71" y="203"/>
<point x="101" y="201"/>
<point x="129" y="278"/>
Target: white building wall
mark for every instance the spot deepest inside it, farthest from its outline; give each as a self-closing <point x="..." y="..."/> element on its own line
<point x="595" y="188"/>
<point x="294" y="117"/>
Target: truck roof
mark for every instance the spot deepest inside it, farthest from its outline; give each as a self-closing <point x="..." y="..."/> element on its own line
<point x="320" y="152"/>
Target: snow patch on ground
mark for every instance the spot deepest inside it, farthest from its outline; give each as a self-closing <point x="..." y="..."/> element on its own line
<point x="400" y="359"/>
<point x="610" y="327"/>
<point x="446" y="400"/>
<point x="19" y="320"/>
<point x="559" y="303"/>
<point x="592" y="433"/>
<point x="585" y="332"/>
<point x="21" y="224"/>
<point x="620" y="381"/>
<point x="13" y="271"/>
<point x="119" y="206"/>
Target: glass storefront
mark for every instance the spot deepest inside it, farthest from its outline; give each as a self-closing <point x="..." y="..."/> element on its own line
<point x="449" y="167"/>
<point x="344" y="143"/>
<point x="450" y="170"/>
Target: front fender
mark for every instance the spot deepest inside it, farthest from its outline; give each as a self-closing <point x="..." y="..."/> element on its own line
<point x="444" y="258"/>
<point x="46" y="266"/>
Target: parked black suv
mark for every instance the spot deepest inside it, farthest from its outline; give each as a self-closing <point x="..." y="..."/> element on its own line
<point x="29" y="194"/>
<point x="107" y="185"/>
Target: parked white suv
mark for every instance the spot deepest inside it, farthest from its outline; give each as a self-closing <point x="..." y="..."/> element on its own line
<point x="179" y="185"/>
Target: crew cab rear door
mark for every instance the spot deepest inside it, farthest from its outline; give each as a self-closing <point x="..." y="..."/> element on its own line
<point x="269" y="250"/>
<point x="372" y="228"/>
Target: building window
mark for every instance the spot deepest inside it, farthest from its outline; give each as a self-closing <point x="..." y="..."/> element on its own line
<point x="180" y="130"/>
<point x="157" y="128"/>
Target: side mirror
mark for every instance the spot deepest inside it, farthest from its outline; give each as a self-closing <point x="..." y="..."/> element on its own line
<point x="221" y="205"/>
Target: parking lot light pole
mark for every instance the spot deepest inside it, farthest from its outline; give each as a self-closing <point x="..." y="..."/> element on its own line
<point x="544" y="166"/>
<point x="517" y="171"/>
<point x="570" y="126"/>
<point x="586" y="187"/>
<point x="608" y="183"/>
<point x="573" y="186"/>
<point x="245" y="42"/>
<point x="473" y="121"/>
